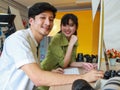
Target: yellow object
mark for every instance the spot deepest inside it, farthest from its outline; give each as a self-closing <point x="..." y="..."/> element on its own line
<point x="88" y="30"/>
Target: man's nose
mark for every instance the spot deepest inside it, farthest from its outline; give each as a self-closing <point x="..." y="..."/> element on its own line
<point x="47" y="21"/>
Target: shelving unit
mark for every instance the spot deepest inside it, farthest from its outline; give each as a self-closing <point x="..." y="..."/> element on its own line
<point x="6" y="27"/>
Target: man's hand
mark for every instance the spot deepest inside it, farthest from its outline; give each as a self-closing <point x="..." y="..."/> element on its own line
<point x="93" y="75"/>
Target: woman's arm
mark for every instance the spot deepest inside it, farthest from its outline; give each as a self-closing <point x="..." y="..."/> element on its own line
<point x="85" y="65"/>
<point x="68" y="55"/>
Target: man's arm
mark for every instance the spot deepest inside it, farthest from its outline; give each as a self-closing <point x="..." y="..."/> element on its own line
<point x="46" y="78"/>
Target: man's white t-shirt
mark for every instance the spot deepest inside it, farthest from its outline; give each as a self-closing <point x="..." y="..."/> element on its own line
<point x="19" y="49"/>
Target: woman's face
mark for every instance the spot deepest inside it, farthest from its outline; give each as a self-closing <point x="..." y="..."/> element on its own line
<point x="69" y="29"/>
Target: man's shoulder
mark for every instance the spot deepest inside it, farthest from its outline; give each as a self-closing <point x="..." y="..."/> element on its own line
<point x="18" y="35"/>
<point x="22" y="32"/>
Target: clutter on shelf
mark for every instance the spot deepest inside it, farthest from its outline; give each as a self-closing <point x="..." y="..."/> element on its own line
<point x="87" y="58"/>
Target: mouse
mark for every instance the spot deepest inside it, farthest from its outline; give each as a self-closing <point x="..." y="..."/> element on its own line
<point x="118" y="73"/>
<point x="109" y="74"/>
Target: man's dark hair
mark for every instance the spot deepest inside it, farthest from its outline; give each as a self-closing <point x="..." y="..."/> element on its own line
<point x="81" y="84"/>
<point x="65" y="20"/>
<point x="41" y="7"/>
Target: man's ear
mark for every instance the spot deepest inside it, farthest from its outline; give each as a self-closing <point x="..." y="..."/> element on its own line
<point x="31" y="20"/>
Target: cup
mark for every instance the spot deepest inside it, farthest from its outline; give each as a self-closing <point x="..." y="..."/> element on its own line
<point x="112" y="61"/>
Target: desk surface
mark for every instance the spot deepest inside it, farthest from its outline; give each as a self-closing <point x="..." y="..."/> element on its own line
<point x="68" y="86"/>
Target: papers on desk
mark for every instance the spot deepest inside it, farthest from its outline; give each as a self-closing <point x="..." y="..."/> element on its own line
<point x="71" y="71"/>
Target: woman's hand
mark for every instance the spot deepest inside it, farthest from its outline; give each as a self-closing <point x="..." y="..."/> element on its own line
<point x="89" y="66"/>
<point x="73" y="40"/>
<point x="58" y="70"/>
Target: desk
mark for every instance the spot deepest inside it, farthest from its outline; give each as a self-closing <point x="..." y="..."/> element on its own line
<point x="68" y="86"/>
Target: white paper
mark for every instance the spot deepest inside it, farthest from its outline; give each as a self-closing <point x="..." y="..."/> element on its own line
<point x="71" y="71"/>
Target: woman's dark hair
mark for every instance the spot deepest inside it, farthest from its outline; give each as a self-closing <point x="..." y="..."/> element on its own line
<point x="65" y="20"/>
<point x="41" y="7"/>
<point x="81" y="84"/>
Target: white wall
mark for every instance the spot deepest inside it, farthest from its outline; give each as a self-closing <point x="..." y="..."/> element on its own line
<point x="5" y="3"/>
<point x="112" y="24"/>
<point x="19" y="10"/>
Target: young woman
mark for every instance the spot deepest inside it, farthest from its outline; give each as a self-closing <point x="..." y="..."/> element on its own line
<point x="62" y="48"/>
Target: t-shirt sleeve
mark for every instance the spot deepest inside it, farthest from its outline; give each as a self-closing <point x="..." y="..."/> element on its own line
<point x="19" y="50"/>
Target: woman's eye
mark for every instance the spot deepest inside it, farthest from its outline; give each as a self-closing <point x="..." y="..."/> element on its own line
<point x="71" y="25"/>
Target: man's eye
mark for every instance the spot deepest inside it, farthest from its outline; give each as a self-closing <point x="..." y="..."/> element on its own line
<point x="51" y="20"/>
<point x="42" y="17"/>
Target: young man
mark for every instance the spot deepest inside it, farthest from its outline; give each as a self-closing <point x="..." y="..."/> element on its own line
<point x="19" y="65"/>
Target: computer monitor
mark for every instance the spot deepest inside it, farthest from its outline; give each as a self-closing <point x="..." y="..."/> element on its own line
<point x="105" y="56"/>
<point x="102" y="46"/>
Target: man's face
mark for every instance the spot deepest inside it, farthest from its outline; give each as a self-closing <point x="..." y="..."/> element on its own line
<point x="42" y="23"/>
